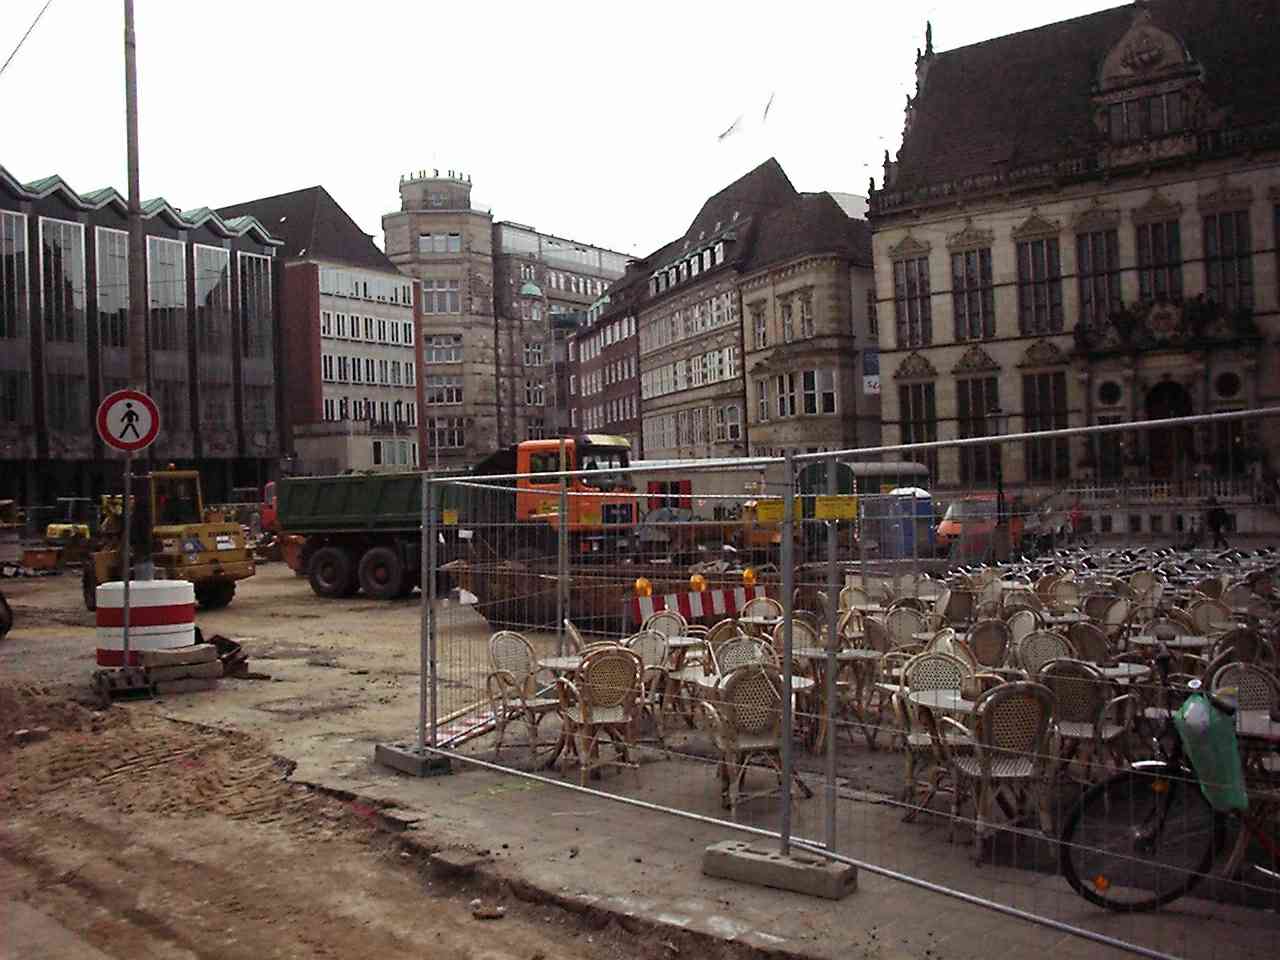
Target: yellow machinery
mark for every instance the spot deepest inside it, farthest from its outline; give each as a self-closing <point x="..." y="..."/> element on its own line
<point x="170" y="526"/>
<point x="72" y="532"/>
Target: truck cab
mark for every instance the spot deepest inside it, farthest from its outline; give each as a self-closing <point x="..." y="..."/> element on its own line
<point x="602" y="507"/>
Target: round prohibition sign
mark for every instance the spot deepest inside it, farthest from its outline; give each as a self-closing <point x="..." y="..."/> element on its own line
<point x="128" y="420"/>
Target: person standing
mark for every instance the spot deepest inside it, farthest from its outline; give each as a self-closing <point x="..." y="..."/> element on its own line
<point x="1217" y="522"/>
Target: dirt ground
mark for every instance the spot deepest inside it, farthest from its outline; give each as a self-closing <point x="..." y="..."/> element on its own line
<point x="145" y="836"/>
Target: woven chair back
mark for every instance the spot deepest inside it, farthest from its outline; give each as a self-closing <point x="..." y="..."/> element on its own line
<point x="1014" y="719"/>
<point x="750" y="700"/>
<point x="935" y="671"/>
<point x="1256" y="689"/>
<point x="989" y="640"/>
<point x="669" y="623"/>
<point x="510" y="651"/>
<point x="1206" y="614"/>
<point x="902" y="623"/>
<point x="1080" y="691"/>
<point x="1090" y="642"/>
<point x="762" y="607"/>
<point x="738" y="652"/>
<point x="610" y="677"/>
<point x="1039" y="648"/>
<point x="650" y="646"/>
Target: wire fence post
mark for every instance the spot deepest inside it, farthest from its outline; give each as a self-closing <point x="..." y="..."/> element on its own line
<point x="788" y="609"/>
<point x="562" y="553"/>
<point x="433" y="673"/>
<point x="833" y="646"/>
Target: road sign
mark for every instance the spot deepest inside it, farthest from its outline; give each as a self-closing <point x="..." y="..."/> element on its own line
<point x="128" y="420"/>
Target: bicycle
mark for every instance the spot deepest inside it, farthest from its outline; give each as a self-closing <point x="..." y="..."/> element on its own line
<point x="1148" y="835"/>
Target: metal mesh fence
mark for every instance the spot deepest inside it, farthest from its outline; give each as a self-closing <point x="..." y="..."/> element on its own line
<point x="990" y="687"/>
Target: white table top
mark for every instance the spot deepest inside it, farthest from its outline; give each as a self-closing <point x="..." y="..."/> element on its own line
<point x="1257" y="725"/>
<point x="758" y="621"/>
<point x="712" y="681"/>
<point x="1124" y="671"/>
<point x="845" y="655"/>
<point x="681" y="643"/>
<point x="566" y="664"/>
<point x="949" y="700"/>
<point x="1174" y="643"/>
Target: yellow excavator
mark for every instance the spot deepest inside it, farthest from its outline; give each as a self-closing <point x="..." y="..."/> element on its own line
<point x="169" y="526"/>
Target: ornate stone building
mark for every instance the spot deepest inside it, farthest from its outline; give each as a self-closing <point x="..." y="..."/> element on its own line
<point x="1081" y="227"/>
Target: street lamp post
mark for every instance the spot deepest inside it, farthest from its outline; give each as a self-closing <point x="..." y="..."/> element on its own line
<point x="998" y="422"/>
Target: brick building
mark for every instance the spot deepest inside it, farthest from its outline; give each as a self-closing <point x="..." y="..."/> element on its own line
<point x="766" y="287"/>
<point x="212" y="351"/>
<point x="1101" y="249"/>
<point x="604" y="366"/>
<point x="348" y="325"/>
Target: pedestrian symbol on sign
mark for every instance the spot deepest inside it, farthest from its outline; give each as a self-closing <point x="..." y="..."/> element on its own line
<point x="130" y="420"/>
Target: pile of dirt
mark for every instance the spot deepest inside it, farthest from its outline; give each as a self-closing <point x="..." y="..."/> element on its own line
<point x="34" y="706"/>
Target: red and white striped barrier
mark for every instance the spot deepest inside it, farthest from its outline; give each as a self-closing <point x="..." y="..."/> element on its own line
<point x="162" y="614"/>
<point x="694" y="605"/>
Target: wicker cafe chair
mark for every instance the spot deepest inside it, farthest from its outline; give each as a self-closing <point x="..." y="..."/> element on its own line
<point x="1090" y="642"/>
<point x="1238" y="595"/>
<point x="651" y="647"/>
<point x="1089" y="723"/>
<point x="1065" y="595"/>
<point x="738" y="651"/>
<point x="669" y="623"/>
<point x="1256" y="689"/>
<point x="1022" y="623"/>
<point x="903" y="623"/>
<point x="1115" y="620"/>
<point x="746" y="723"/>
<point x="990" y="641"/>
<point x="1011" y="731"/>
<point x="605" y="699"/>
<point x="851" y="595"/>
<point x="513" y="689"/>
<point x="1207" y="615"/>
<point x="1040" y="647"/>
<point x="920" y="753"/>
<point x="1095" y="605"/>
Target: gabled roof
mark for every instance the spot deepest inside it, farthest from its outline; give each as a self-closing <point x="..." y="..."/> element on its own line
<point x="762" y="189"/>
<point x="811" y="223"/>
<point x="314" y="226"/>
<point x="1025" y="98"/>
<point x="158" y="207"/>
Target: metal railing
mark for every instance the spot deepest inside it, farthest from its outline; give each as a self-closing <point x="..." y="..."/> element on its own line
<point x="523" y="572"/>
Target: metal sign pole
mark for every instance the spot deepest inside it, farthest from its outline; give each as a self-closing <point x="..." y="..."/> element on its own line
<point x="433" y="671"/>
<point x="126" y="575"/>
<point x="833" y="645"/>
<point x="788" y="604"/>
<point x="424" y="627"/>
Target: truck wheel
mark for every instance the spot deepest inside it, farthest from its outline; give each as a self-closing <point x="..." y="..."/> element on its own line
<point x="331" y="574"/>
<point x="89" y="586"/>
<point x="382" y="574"/>
<point x="214" y="596"/>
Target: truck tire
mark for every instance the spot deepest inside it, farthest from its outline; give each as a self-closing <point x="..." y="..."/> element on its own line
<point x="214" y="596"/>
<point x="382" y="573"/>
<point x="89" y="586"/>
<point x="330" y="573"/>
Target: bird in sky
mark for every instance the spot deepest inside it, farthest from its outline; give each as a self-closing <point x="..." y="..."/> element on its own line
<point x="733" y="128"/>
<point x="766" y="108"/>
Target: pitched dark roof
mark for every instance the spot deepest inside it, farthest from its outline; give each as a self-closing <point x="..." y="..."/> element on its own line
<point x="313" y="225"/>
<point x="1025" y="98"/>
<point x="763" y="188"/>
<point x="811" y="223"/>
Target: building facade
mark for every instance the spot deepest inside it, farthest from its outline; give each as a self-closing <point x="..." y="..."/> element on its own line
<point x="437" y="238"/>
<point x="1102" y="250"/>
<point x="500" y="300"/>
<point x="211" y="344"/>
<point x="544" y="286"/>
<point x="604" y="367"/>
<point x="746" y="328"/>
<point x="807" y="315"/>
<point x="349" y="326"/>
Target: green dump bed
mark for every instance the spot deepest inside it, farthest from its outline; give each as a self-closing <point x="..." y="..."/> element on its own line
<point x="390" y="502"/>
<point x="352" y="502"/>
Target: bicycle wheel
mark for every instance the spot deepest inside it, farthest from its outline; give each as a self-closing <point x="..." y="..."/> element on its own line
<point x="1139" y="840"/>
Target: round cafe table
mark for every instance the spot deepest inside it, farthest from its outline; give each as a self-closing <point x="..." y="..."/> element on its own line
<point x="561" y="665"/>
<point x="1173" y="643"/>
<point x="948" y="701"/>
<point x="857" y="658"/>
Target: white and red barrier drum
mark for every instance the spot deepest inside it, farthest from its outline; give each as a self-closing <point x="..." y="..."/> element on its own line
<point x="162" y="614"/>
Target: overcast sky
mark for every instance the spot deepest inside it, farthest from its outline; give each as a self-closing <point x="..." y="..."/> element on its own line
<point x="597" y="120"/>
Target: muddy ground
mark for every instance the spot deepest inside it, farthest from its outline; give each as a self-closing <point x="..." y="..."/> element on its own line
<point x="144" y="836"/>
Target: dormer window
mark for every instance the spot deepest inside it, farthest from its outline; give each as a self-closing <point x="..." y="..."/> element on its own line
<point x="1143" y="117"/>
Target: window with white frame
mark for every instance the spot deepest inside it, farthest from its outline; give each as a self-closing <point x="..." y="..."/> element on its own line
<point x="368" y="328"/>
<point x="357" y="370"/>
<point x="788" y="324"/>
<point x="534" y="393"/>
<point x="443" y="391"/>
<point x="326" y="323"/>
<point x="341" y="328"/>
<point x="762" y="400"/>
<point x="441" y="296"/>
<point x="407" y="334"/>
<point x="326" y="366"/>
<point x="807" y="327"/>
<point x="442" y="348"/>
<point x="344" y="369"/>
<point x="785" y="387"/>
<point x="533" y="354"/>
<point x="369" y="375"/>
<point x="444" y="433"/>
